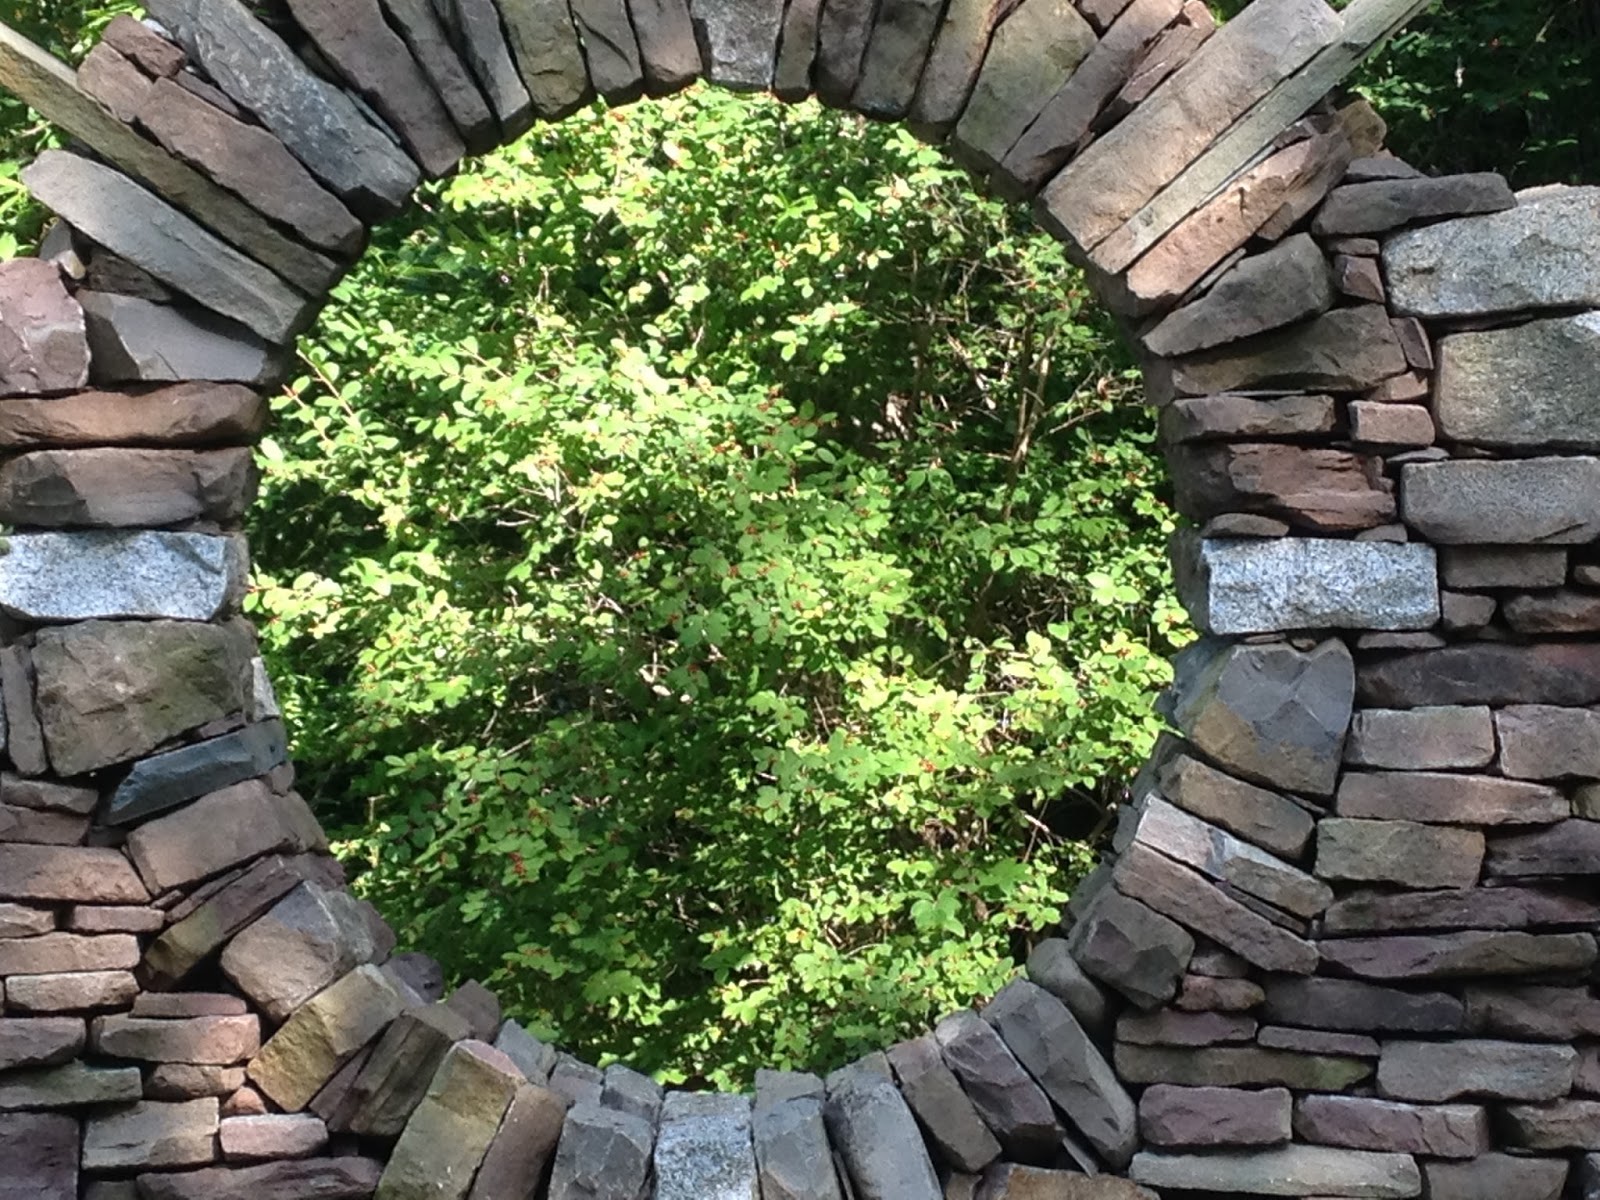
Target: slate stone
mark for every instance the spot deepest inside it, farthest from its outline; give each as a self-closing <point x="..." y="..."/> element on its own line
<point x="1457" y="955"/>
<point x="1381" y="205"/>
<point x="1477" y="908"/>
<point x="179" y="1005"/>
<point x="1285" y="1171"/>
<point x="633" y="1092"/>
<point x="1231" y="418"/>
<point x="1253" y="813"/>
<point x="38" y="1157"/>
<point x="122" y="488"/>
<point x="482" y="40"/>
<point x="1350" y="1005"/>
<point x="450" y="1132"/>
<point x="189" y="415"/>
<point x="73" y="991"/>
<point x="1538" y="1013"/>
<point x="1400" y="852"/>
<point x="1566" y="674"/>
<point x="420" y="24"/>
<point x="479" y="1006"/>
<point x="221" y="831"/>
<point x="602" y="1155"/>
<point x="1271" y="713"/>
<point x="1449" y="799"/>
<point x="310" y="938"/>
<point x="115" y="82"/>
<point x="738" y="41"/>
<point x="1494" y="1176"/>
<point x="68" y="874"/>
<point x="1266" y="291"/>
<point x="704" y="1150"/>
<point x="1439" y="1072"/>
<point x="73" y="1085"/>
<point x="524" y="1146"/>
<point x="1562" y="612"/>
<point x="1211" y="1116"/>
<point x="166" y="781"/>
<point x="1533" y="256"/>
<point x="20" y="921"/>
<point x="843" y="29"/>
<point x="577" y="1081"/>
<point x="947" y="1117"/>
<point x="22" y="733"/>
<point x="1034" y="52"/>
<point x="875" y="1134"/>
<point x="1013" y="1181"/>
<point x="1014" y="1107"/>
<point x="59" y="953"/>
<point x="250" y="162"/>
<point x="1239" y="1066"/>
<point x="611" y="49"/>
<point x="151" y="1134"/>
<point x="952" y="69"/>
<point x="45" y="348"/>
<point x="667" y="50"/>
<point x="1546" y="742"/>
<point x="1570" y="848"/>
<point x="153" y="54"/>
<point x="1056" y="1051"/>
<point x="1423" y="739"/>
<point x="144" y="229"/>
<point x="1052" y="967"/>
<point x="1318" y="489"/>
<point x="1128" y="946"/>
<point x="321" y="126"/>
<point x="535" y="1059"/>
<point x="1346" y="350"/>
<point x="344" y="1178"/>
<point x="901" y="42"/>
<point x="1239" y="586"/>
<point x="38" y="1042"/>
<point x="1364" y="1123"/>
<point x="135" y="341"/>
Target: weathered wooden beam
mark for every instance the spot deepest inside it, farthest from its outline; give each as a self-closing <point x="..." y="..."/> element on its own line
<point x="46" y="84"/>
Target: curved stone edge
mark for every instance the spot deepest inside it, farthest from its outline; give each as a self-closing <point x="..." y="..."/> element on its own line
<point x="1372" y="834"/>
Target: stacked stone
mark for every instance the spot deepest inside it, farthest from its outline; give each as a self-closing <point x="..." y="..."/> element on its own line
<point x="1344" y="944"/>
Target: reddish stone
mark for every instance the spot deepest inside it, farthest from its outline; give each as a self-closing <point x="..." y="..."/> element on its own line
<point x="1362" y="1123"/>
<point x="44" y="346"/>
<point x="1324" y="490"/>
<point x="1214" y="1116"/>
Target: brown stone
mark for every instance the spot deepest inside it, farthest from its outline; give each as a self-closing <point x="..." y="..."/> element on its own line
<point x="151" y="1134"/>
<point x="1570" y="848"/>
<point x="277" y="1135"/>
<point x="1346" y="350"/>
<point x="1421" y="739"/>
<point x="1167" y="1027"/>
<point x="1363" y="1123"/>
<point x="1345" y="1004"/>
<point x="1564" y="611"/>
<point x="1427" y="796"/>
<point x="1393" y="425"/>
<point x="1534" y="1013"/>
<point x="1238" y="1066"/>
<point x="1317" y="1041"/>
<point x="41" y="827"/>
<point x="116" y="919"/>
<point x="1360" y="278"/>
<point x="1167" y="55"/>
<point x="1557" y="673"/>
<point x="1203" y="993"/>
<point x="1283" y="285"/>
<point x="1250" y="812"/>
<point x="1227" y="417"/>
<point x="1214" y="1116"/>
<point x="72" y="991"/>
<point x="116" y="83"/>
<point x="346" y="1178"/>
<point x="39" y="1041"/>
<point x="524" y="1146"/>
<point x="1495" y="1177"/>
<point x="1386" y="204"/>
<point x="1471" y="908"/>
<point x="192" y="1081"/>
<point x="181" y="1005"/>
<point x="56" y="953"/>
<point x="1458" y="955"/>
<point x="1324" y="490"/>
<point x="136" y="41"/>
<point x="221" y="831"/>
<point x="125" y="488"/>
<point x="44" y="346"/>
<point x="1437" y="1072"/>
<point x="1402" y="852"/>
<point x="310" y="938"/>
<point x="201" y="1041"/>
<point x="70" y="874"/>
<point x="48" y="794"/>
<point x="20" y="921"/>
<point x="392" y="1082"/>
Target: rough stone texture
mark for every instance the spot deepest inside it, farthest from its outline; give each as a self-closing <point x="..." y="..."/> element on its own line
<point x="420" y="24"/>
<point x="1350" y="1005"/>
<point x="310" y="938"/>
<point x="74" y="991"/>
<point x="23" y="734"/>
<point x="68" y="874"/>
<point x="314" y="1043"/>
<point x="1565" y="1125"/>
<point x="451" y="1130"/>
<point x="1563" y="612"/>
<point x="395" y="1076"/>
<point x="250" y="162"/>
<point x="1423" y="739"/>
<point x="1540" y="1013"/>
<point x="1286" y="1171"/>
<point x="632" y="1091"/>
<point x="877" y="1137"/>
<point x="738" y="41"/>
<point x="1229" y="417"/>
<point x="670" y="57"/>
<point x="1438" y="1072"/>
<point x="56" y="953"/>
<point x="1361" y="1123"/>
<point x="44" y="345"/>
<point x="271" y="1135"/>
<point x="136" y="341"/>
<point x="221" y="831"/>
<point x="535" y="1058"/>
<point x="73" y="1085"/>
<point x="1472" y="953"/>
<point x="1497" y="908"/>
<point x="953" y="67"/>
<point x="1212" y="1116"/>
<point x="704" y="1150"/>
<point x="792" y="77"/>
<point x="1252" y="813"/>
<point x="39" y="1042"/>
<point x="122" y="488"/>
<point x="1450" y="799"/>
<point x="151" y="52"/>
<point x="151" y="1134"/>
<point x="1400" y="852"/>
<point x="1274" y="714"/>
<point x="198" y="1041"/>
<point x="1240" y="586"/>
<point x="1546" y="742"/>
<point x="165" y="781"/>
<point x="793" y="1159"/>
<point x="1570" y="848"/>
<point x="144" y="229"/>
<point x="1567" y="674"/>
<point x="321" y="125"/>
<point x="611" y="49"/>
<point x="602" y="1155"/>
<point x="948" y="1118"/>
<point x="1011" y="1181"/>
<point x="1009" y="1102"/>
<point x="1346" y="350"/>
<point x="1384" y="204"/>
<point x="1523" y="387"/>
<point x="347" y="1178"/>
<point x="39" y="1153"/>
<point x="1034" y="52"/>
<point x="1496" y="1176"/>
<point x="1288" y="283"/>
<point x="902" y="40"/>
<point x="1537" y="255"/>
<point x="80" y="576"/>
<point x="843" y="30"/>
<point x="477" y="29"/>
<point x="1130" y="947"/>
<point x="1052" y="967"/>
<point x="523" y="1148"/>
<point x="1319" y="489"/>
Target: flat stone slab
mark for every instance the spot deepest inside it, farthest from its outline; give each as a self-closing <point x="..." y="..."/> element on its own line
<point x="1422" y="739"/>
<point x="1286" y="1171"/>
<point x="1449" y="799"/>
<point x="1365" y="1123"/>
<point x="1543" y="501"/>
<point x="138" y="341"/>
<point x="1537" y="255"/>
<point x="1245" y="586"/>
<point x="1528" y="387"/>
<point x="348" y="1178"/>
<point x="1438" y="1072"/>
<point x="1402" y="852"/>
<point x="188" y="415"/>
<point x="80" y="576"/>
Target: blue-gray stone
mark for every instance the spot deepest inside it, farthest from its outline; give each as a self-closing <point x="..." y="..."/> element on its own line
<point x="165" y="781"/>
<point x="121" y="573"/>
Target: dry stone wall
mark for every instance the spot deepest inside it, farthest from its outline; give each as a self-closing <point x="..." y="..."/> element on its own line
<point x="1344" y="944"/>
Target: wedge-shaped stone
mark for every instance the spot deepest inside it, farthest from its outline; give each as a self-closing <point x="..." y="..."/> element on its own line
<point x="446" y="1139"/>
<point x="902" y="40"/>
<point x="875" y="1134"/>
<point x="314" y="1043"/>
<point x="1449" y="799"/>
<point x="142" y="228"/>
<point x="1570" y="848"/>
<point x="1461" y="955"/>
<point x="137" y="341"/>
<point x="1534" y="256"/>
<point x="422" y="27"/>
<point x="1253" y="813"/>
<point x="1239" y="1066"/>
<point x="1132" y="948"/>
<point x="1401" y="852"/>
<point x="41" y="827"/>
<point x="1010" y="1102"/>
<point x="321" y="126"/>
<point x="1475" y="908"/>
<point x="476" y="27"/>
<point x="80" y="576"/>
<point x="1285" y="1171"/>
<point x="1346" y="1004"/>
<point x="1346" y="350"/>
<point x="219" y="832"/>
<point x="738" y="41"/>
<point x="166" y="781"/>
<point x="1267" y="291"/>
<point x="348" y="1178"/>
<point x="1271" y="713"/>
<point x="1564" y="1125"/>
<point x="1035" y="51"/>
<point x="632" y="1091"/>
<point x="1107" y="184"/>
<point x="1438" y="1072"/>
<point x="611" y="49"/>
<point x="395" y="1077"/>
<point x="123" y="488"/>
<point x="68" y="874"/>
<point x="1245" y="586"/>
<point x="1050" y="1043"/>
<point x="1186" y="897"/>
<point x="949" y="1119"/>
<point x="1385" y="204"/>
<point x="202" y="1041"/>
<point x="47" y="347"/>
<point x="523" y="1147"/>
<point x="953" y="67"/>
<point x="603" y="1155"/>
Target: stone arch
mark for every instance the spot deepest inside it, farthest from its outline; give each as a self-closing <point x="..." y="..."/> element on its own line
<point x="1345" y="943"/>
